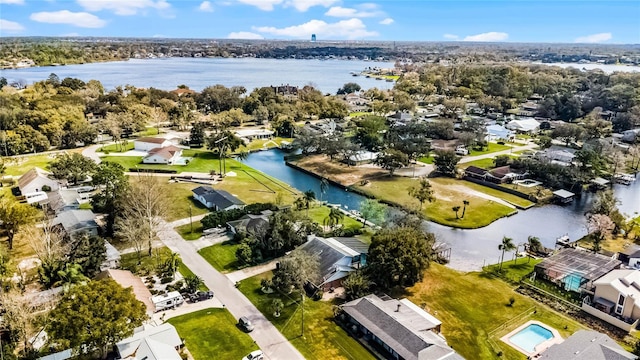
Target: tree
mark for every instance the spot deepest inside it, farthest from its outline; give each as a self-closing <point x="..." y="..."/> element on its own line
<point x="534" y="244"/>
<point x="192" y="283"/>
<point x="307" y="198"/>
<point x="356" y="285"/>
<point x="324" y="186"/>
<point x="334" y="218"/>
<point x="391" y="159"/>
<point x="464" y="209"/>
<point x="599" y="226"/>
<point x="197" y="135"/>
<point x="89" y="252"/>
<point x="456" y="209"/>
<point x="171" y="265"/>
<point x="422" y="192"/>
<point x="132" y="230"/>
<point x="95" y="316"/>
<point x="506" y="245"/>
<point x="14" y="216"/>
<point x="70" y="275"/>
<point x="223" y="142"/>
<point x="72" y="167"/>
<point x="276" y="306"/>
<point x="398" y="256"/>
<point x="445" y="162"/>
<point x="19" y="319"/>
<point x="112" y="183"/>
<point x="294" y="270"/>
<point x="348" y="88"/>
<point x="372" y="211"/>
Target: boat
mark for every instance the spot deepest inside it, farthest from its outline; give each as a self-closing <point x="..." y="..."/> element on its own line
<point x="625" y="179"/>
<point x="356" y="213"/>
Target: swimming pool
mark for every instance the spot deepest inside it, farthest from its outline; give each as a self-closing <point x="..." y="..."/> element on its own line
<point x="531" y="336"/>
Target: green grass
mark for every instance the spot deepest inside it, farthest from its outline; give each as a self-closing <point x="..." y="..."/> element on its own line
<point x="187" y="234"/>
<point x="213" y="334"/>
<point x="221" y="256"/>
<point x="318" y="214"/>
<point x="426" y="159"/>
<point x="117" y="147"/>
<point x="491" y="148"/>
<point x="513" y="270"/>
<point x="19" y="165"/>
<point x="185" y="271"/>
<point x="480" y="212"/>
<point x="482" y="163"/>
<point x="471" y="305"/>
<point x="150" y="131"/>
<point x="86" y="206"/>
<point x="264" y="144"/>
<point x="148" y="264"/>
<point x="323" y="339"/>
<point x="359" y="113"/>
<point x="179" y="199"/>
<point x="512" y="199"/>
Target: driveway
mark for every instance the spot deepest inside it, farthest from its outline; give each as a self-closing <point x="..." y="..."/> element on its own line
<point x="270" y="340"/>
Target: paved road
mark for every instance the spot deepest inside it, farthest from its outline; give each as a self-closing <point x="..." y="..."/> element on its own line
<point x="268" y="338"/>
<point x="467" y="159"/>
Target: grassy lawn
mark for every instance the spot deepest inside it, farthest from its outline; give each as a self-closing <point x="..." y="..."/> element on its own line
<point x="513" y="270"/>
<point x="426" y="159"/>
<point x="187" y="234"/>
<point x="491" y="148"/>
<point x="221" y="256"/>
<point x="180" y="197"/>
<point x="202" y="161"/>
<point x="19" y="166"/>
<point x="117" y="147"/>
<point x="318" y="214"/>
<point x="480" y="212"/>
<point x="150" y="131"/>
<point x="359" y="113"/>
<point x="323" y="339"/>
<point x="212" y="334"/>
<point x="482" y="163"/>
<point x="264" y="144"/>
<point x="473" y="305"/>
<point x="185" y="271"/>
<point x="512" y="199"/>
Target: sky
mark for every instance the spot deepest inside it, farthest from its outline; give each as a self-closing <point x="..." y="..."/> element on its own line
<point x="590" y="21"/>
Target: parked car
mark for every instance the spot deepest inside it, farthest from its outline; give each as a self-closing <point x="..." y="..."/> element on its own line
<point x="245" y="324"/>
<point x="201" y="296"/>
<point x="255" y="355"/>
<point x="461" y="151"/>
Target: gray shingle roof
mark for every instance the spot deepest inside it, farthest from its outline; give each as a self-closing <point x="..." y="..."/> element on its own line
<point x="587" y="344"/>
<point x="220" y="198"/>
<point x="354" y="243"/>
<point x="75" y="220"/>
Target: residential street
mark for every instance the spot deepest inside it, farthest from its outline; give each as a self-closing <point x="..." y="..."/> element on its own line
<point x="467" y="159"/>
<point x="268" y="338"/>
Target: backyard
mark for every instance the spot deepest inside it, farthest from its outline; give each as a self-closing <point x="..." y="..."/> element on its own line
<point x="323" y="338"/>
<point x="187" y="234"/>
<point x="221" y="256"/>
<point x="213" y="334"/>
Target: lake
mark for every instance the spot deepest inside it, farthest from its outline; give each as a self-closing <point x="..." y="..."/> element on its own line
<point x="197" y="73"/>
<point x="607" y="68"/>
<point x="471" y="249"/>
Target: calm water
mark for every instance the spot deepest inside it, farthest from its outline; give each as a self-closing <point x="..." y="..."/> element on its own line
<point x="470" y="248"/>
<point x="607" y="68"/>
<point x="198" y="73"/>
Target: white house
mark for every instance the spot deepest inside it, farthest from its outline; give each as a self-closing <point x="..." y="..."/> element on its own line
<point x="499" y="132"/>
<point x="253" y="134"/>
<point x="35" y="179"/>
<point x="218" y="200"/>
<point x="148" y="143"/>
<point x="151" y="343"/>
<point x="168" y="155"/>
<point x="616" y="299"/>
<point x="525" y="125"/>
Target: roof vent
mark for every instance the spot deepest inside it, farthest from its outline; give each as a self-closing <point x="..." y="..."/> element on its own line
<point x="398" y="308"/>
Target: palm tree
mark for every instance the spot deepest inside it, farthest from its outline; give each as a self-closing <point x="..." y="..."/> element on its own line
<point x="70" y="275"/>
<point x="242" y="155"/>
<point x="464" y="209"/>
<point x="506" y="245"/>
<point x="308" y="198"/>
<point x="334" y="218"/>
<point x="172" y="264"/>
<point x="456" y="209"/>
<point x="324" y="185"/>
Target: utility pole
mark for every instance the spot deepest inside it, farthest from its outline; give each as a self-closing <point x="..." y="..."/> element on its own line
<point x="302" y="327"/>
<point x="190" y="219"/>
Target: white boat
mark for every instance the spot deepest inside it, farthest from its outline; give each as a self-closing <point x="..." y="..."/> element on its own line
<point x="625" y="179"/>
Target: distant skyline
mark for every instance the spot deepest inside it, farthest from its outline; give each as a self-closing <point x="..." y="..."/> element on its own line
<point x="607" y="22"/>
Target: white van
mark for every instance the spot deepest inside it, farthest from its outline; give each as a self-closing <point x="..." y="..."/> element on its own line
<point x="462" y="151"/>
<point x="167" y="301"/>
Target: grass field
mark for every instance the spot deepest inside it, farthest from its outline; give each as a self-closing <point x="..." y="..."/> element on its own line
<point x="221" y="256"/>
<point x="473" y="305"/>
<point x="512" y="199"/>
<point x="187" y="234"/>
<point x="213" y="334"/>
<point x="319" y="214"/>
<point x="19" y="165"/>
<point x="482" y="163"/>
<point x="426" y="159"/>
<point x="117" y="147"/>
<point x="323" y="338"/>
<point x="264" y="144"/>
<point x="480" y="212"/>
<point x="491" y="148"/>
<point x="179" y="199"/>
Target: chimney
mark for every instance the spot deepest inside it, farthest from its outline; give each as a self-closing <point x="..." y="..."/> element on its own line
<point x="398" y="309"/>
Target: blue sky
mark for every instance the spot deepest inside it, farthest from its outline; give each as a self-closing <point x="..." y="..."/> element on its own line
<point x="612" y="22"/>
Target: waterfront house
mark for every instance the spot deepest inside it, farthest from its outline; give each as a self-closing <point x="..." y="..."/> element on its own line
<point x="76" y="222"/>
<point x="338" y="257"/>
<point x="361" y="157"/>
<point x="476" y="172"/>
<point x="151" y="343"/>
<point x="218" y="200"/>
<point x="557" y="155"/>
<point x="37" y="180"/>
<point x="587" y="344"/>
<point x="149" y="143"/>
<point x="126" y="279"/>
<point x="616" y="299"/>
<point x="168" y="155"/>
<point x="503" y="174"/>
<point x="396" y="329"/>
<point x="250" y="223"/>
<point x="248" y="135"/>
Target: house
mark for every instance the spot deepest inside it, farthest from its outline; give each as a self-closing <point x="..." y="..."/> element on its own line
<point x="67" y="199"/>
<point x="182" y="91"/>
<point x="151" y="343"/>
<point x="525" y="125"/>
<point x="587" y="344"/>
<point x="563" y="196"/>
<point x="112" y="260"/>
<point x="168" y="155"/>
<point x="631" y="256"/>
<point x="254" y="134"/>
<point x="76" y="222"/>
<point x="148" y="143"/>
<point x="616" y="299"/>
<point x="126" y="279"/>
<point x="361" y="157"/>
<point x="338" y="257"/>
<point x="37" y="180"/>
<point x="631" y="136"/>
<point x="218" y="200"/>
<point x="250" y="223"/>
<point x="557" y="155"/>
<point x="503" y="174"/>
<point x="499" y="132"/>
<point x="476" y="172"/>
<point x="396" y="329"/>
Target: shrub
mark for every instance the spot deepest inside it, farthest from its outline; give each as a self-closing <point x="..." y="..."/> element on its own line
<point x="512" y="300"/>
<point x="46" y="188"/>
<point x="166" y="280"/>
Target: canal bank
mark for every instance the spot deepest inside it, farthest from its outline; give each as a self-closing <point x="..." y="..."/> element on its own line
<point x="472" y="248"/>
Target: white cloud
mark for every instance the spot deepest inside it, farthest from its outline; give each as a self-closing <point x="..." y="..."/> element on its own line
<point x="345" y="29"/>
<point x="10" y="26"/>
<point x="594" y="38"/>
<point x="79" y="19"/>
<point x="450" y="36"/>
<point x="339" y="11"/>
<point x="387" y="21"/>
<point x="304" y="5"/>
<point x="488" y="37"/>
<point x="123" y="7"/>
<point x="13" y="2"/>
<point x="244" y="35"/>
<point x="266" y="5"/>
<point x="205" y="6"/>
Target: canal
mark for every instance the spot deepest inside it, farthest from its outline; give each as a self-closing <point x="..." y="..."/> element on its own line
<point x="470" y="248"/>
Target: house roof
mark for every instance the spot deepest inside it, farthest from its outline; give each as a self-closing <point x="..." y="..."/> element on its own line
<point x="526" y="124"/>
<point x="600" y="181"/>
<point x="253" y="132"/>
<point x="475" y="170"/>
<point x="401" y="325"/>
<point x="331" y="254"/>
<point x="165" y="335"/>
<point x="219" y="198"/>
<point x="587" y="344"/>
<point x="354" y="244"/>
<point x="363" y="155"/>
<point x="127" y="279"/>
<point x="501" y="172"/>
<point x="31" y="175"/>
<point x="75" y="220"/>
<point x="152" y="140"/>
<point x="166" y="152"/>
<point x="563" y="193"/>
<point x="250" y="222"/>
<point x="112" y="253"/>
<point x="588" y="265"/>
<point x="626" y="282"/>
